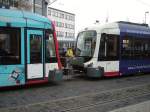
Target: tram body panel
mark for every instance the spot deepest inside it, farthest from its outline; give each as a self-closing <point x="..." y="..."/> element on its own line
<point x="11" y="75"/>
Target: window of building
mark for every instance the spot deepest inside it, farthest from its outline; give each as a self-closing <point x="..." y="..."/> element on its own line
<point x="67" y="17"/>
<point x="5" y="2"/>
<point x="10" y="44"/>
<point x="66" y="34"/>
<point x="53" y="13"/>
<point x="73" y="18"/>
<point x="39" y="2"/>
<point x="59" y="15"/>
<point x="70" y="17"/>
<point x="38" y="9"/>
<point x="56" y="14"/>
<point x="49" y="12"/>
<point x="65" y="25"/>
<point x="72" y="35"/>
<point x="60" y="34"/>
<point x="13" y="3"/>
<point x="62" y="24"/>
<point x="69" y="35"/>
<point x="71" y="26"/>
<point x="62" y="15"/>
<point x="59" y="24"/>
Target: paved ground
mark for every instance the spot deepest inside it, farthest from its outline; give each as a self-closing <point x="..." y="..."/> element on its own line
<point x="76" y="87"/>
<point x="140" y="107"/>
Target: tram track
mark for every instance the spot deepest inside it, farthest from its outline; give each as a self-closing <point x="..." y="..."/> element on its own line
<point x="107" y="101"/>
<point x="85" y="101"/>
<point x="103" y="103"/>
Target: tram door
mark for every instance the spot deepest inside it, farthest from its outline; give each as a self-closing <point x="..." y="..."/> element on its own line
<point x="34" y="54"/>
<point x="109" y="53"/>
<point x="112" y="53"/>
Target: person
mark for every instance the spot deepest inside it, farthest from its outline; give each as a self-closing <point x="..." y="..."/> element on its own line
<point x="69" y="56"/>
<point x="69" y="52"/>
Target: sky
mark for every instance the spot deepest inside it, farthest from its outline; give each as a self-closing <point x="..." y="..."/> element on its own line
<point x="88" y="11"/>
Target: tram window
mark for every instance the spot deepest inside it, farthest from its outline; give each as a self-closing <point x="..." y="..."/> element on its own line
<point x="112" y="47"/>
<point x="109" y="47"/>
<point x="127" y="48"/>
<point x="147" y="48"/>
<point x="138" y="48"/>
<point x="50" y="48"/>
<point x="135" y="48"/>
<point x="10" y="46"/>
<point x="35" y="48"/>
<point x="102" y="54"/>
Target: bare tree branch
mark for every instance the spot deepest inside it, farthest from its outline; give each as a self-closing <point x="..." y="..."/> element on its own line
<point x="25" y="5"/>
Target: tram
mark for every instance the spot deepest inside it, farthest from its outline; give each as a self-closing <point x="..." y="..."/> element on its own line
<point x="114" y="49"/>
<point x="28" y="49"/>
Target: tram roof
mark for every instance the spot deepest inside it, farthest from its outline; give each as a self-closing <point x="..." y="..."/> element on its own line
<point x="122" y="27"/>
<point x="133" y="28"/>
<point x="17" y="18"/>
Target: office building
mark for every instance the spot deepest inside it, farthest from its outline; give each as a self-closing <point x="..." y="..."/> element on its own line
<point x="65" y="26"/>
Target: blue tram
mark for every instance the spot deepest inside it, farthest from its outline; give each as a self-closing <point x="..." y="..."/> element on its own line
<point x="28" y="49"/>
<point x="113" y="49"/>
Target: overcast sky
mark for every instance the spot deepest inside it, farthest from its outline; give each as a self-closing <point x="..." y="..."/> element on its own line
<point x="88" y="11"/>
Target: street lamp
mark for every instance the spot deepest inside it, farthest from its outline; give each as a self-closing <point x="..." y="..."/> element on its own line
<point x="145" y="15"/>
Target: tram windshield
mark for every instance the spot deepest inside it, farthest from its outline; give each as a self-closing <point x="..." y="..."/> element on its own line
<point x="86" y="42"/>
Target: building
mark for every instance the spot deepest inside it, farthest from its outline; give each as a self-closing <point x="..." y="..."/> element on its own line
<point x="40" y="6"/>
<point x="65" y="26"/>
<point x="36" y="6"/>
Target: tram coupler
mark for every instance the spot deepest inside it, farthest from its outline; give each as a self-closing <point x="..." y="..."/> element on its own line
<point x="55" y="75"/>
<point x="95" y="72"/>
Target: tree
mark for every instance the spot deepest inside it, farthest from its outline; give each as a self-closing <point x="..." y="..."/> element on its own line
<point x="25" y="5"/>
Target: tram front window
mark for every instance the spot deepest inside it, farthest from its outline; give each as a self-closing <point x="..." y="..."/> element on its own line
<point x="86" y="42"/>
<point x="50" y="48"/>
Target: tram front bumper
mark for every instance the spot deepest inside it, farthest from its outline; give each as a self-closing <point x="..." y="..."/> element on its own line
<point x="95" y="72"/>
<point x="55" y="75"/>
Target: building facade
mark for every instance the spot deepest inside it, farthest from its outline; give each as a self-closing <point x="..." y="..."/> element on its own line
<point x="36" y="6"/>
<point x="65" y="26"/>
